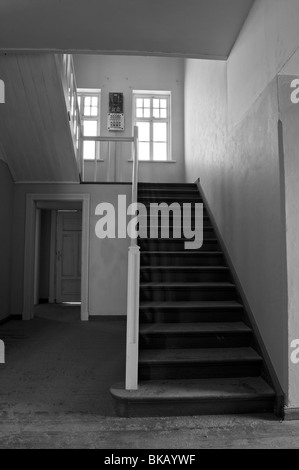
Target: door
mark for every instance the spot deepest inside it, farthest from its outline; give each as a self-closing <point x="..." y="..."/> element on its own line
<point x="68" y="256"/>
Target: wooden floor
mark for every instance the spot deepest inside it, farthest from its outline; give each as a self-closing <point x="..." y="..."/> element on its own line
<point x="54" y="393"/>
<point x="51" y="431"/>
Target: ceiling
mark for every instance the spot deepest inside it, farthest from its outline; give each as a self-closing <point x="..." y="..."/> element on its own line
<point x="187" y="28"/>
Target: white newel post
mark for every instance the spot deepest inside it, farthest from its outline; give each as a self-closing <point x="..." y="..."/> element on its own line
<point x="133" y="290"/>
<point x="133" y="318"/>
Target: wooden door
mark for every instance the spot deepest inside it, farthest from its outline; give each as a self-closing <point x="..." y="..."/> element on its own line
<point x="68" y="256"/>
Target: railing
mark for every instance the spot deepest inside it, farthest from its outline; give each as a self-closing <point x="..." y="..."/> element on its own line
<point x="110" y="140"/>
<point x="133" y="271"/>
<point x="67" y="72"/>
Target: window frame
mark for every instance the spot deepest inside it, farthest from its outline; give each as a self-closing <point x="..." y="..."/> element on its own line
<point x="91" y="92"/>
<point x="139" y="94"/>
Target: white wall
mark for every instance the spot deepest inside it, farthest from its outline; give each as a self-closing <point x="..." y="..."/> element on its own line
<point x="248" y="169"/>
<point x="108" y="258"/>
<point x="125" y="74"/>
<point x="6" y="212"/>
<point x="289" y="115"/>
<point x="239" y="172"/>
<point x="269" y="37"/>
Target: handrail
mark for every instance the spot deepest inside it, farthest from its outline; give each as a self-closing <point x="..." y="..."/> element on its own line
<point x="108" y="139"/>
<point x="112" y="139"/>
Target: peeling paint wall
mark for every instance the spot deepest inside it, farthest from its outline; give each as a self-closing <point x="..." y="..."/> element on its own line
<point x="289" y="115"/>
<point x="247" y="162"/>
<point x="239" y="170"/>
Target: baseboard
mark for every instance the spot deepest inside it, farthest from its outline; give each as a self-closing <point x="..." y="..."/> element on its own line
<point x="108" y="318"/>
<point x="291" y="414"/>
<point x="5" y="320"/>
<point x="269" y="369"/>
<point x="9" y="318"/>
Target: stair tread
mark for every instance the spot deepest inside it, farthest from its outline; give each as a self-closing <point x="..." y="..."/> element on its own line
<point x="186" y="252"/>
<point x="183" y="268"/>
<point x="208" y="304"/>
<point x="194" y="328"/>
<point x="244" y="388"/>
<point x="207" y="355"/>
<point x="187" y="284"/>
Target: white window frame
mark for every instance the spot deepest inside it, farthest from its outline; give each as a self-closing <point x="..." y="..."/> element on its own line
<point x="152" y="94"/>
<point x="83" y="92"/>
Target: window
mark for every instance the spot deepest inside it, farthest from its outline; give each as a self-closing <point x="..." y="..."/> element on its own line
<point x="152" y="116"/>
<point x="90" y="110"/>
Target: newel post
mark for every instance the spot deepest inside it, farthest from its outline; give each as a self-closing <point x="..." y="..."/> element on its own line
<point x="133" y="318"/>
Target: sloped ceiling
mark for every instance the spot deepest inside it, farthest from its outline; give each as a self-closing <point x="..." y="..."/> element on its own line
<point x="190" y="28"/>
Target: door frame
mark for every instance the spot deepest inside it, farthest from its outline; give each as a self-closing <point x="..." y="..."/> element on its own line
<point x="30" y="249"/>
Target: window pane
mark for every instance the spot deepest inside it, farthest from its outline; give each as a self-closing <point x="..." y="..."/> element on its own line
<point x="156" y="113"/>
<point x="89" y="150"/>
<point x="147" y="103"/>
<point x="86" y="111"/>
<point x="139" y="112"/>
<point x="87" y="101"/>
<point x="144" y="151"/>
<point x="160" y="132"/>
<point x="163" y="113"/>
<point x="90" y="128"/>
<point x="95" y="101"/>
<point x="163" y="104"/>
<point x="160" y="152"/>
<point x="139" y="103"/>
<point x="156" y="103"/>
<point x="144" y="131"/>
<point x="147" y="113"/>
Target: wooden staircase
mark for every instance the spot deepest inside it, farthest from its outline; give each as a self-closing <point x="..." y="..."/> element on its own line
<point x="197" y="351"/>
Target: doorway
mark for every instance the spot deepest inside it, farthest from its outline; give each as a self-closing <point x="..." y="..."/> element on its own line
<point x="65" y="272"/>
<point x="60" y="256"/>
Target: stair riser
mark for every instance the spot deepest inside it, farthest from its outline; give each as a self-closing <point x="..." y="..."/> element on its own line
<point x="184" y="276"/>
<point x="164" y="259"/>
<point x="168" y="195"/>
<point x="193" y="342"/>
<point x="189" y="316"/>
<point x="170" y="234"/>
<point x="174" y="245"/>
<point x="173" y="217"/>
<point x="193" y="408"/>
<point x="198" y="371"/>
<point x="173" y="295"/>
<point x="170" y="200"/>
<point x="167" y="186"/>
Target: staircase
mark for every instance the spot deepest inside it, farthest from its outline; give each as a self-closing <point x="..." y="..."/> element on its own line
<point x="197" y="351"/>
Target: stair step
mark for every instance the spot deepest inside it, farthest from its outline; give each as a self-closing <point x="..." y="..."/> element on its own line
<point x="184" y="274"/>
<point x="175" y="244"/>
<point x="194" y="335"/>
<point x="176" y="186"/>
<point x="156" y="364"/>
<point x="178" y="291"/>
<point x="194" y="328"/>
<point x="199" y="311"/>
<point x="195" y="397"/>
<point x="179" y="198"/>
<point x="182" y="258"/>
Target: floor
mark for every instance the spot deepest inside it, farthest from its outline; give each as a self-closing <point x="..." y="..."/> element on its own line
<point x="54" y="393"/>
